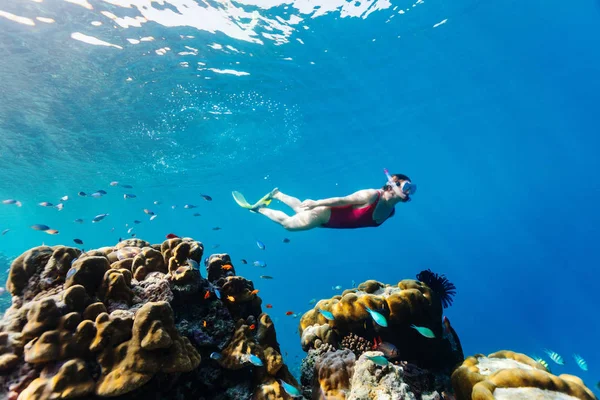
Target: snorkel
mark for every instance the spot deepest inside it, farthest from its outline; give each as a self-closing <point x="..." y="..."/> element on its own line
<point x="391" y="182"/>
<point x="403" y="192"/>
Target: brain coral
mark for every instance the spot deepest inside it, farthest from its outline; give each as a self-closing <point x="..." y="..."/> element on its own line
<point x="137" y="320"/>
<point x="407" y="303"/>
<point x="508" y="375"/>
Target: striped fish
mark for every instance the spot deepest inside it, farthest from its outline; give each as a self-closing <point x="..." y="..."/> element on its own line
<point x="554" y="356"/>
<point x="541" y="361"/>
<point x="580" y="361"/>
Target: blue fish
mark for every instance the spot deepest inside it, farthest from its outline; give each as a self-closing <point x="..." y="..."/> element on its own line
<point x="580" y="362"/>
<point x="377" y="317"/>
<point x="379" y="360"/>
<point x="255" y="360"/>
<point x="218" y="294"/>
<point x="289" y="389"/>
<point x="193" y="263"/>
<point x="260" y="245"/>
<point x="71" y="272"/>
<point x="215" y="356"/>
<point x="554" y="356"/>
<point x="129" y="196"/>
<point x="327" y="314"/>
<point x="260" y="264"/>
<point x="426" y="332"/>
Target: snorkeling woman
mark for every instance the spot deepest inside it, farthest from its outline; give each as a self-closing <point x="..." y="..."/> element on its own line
<point x="365" y="208"/>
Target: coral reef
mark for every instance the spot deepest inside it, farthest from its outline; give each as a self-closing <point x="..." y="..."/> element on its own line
<point x="509" y="375"/>
<point x="403" y="305"/>
<point x="136" y="321"/>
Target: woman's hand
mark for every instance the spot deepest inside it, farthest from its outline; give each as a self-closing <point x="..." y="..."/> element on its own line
<point x="308" y="204"/>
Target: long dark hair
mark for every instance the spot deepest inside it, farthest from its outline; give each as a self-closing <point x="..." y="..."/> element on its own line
<point x="402" y="177"/>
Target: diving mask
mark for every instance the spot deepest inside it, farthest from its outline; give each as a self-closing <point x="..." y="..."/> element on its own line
<point x="404" y="189"/>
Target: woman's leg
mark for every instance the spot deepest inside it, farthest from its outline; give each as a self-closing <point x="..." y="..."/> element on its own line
<point x="301" y="221"/>
<point x="291" y="202"/>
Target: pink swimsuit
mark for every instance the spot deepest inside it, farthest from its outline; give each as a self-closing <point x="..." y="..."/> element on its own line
<point x="348" y="217"/>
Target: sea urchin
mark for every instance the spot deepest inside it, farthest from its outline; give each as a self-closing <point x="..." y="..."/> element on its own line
<point x="440" y="285"/>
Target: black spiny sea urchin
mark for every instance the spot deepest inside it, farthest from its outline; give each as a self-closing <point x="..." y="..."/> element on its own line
<point x="440" y="285"/>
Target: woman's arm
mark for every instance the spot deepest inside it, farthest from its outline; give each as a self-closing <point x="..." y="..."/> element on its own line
<point x="366" y="196"/>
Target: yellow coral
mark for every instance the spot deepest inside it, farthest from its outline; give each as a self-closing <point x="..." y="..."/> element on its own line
<point x="25" y="266"/>
<point x="149" y="260"/>
<point x="155" y="345"/>
<point x="506" y="375"/>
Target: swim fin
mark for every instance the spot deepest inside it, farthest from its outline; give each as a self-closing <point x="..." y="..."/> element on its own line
<point x="242" y="202"/>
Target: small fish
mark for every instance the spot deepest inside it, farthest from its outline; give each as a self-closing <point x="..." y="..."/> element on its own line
<point x="78" y="221"/>
<point x="64" y="198"/>
<point x="312" y="301"/>
<point x="129" y="196"/>
<point x="289" y="313"/>
<point x="71" y="272"/>
<point x="260" y="245"/>
<point x="216" y="228"/>
<point x="130" y="230"/>
<point x="40" y="227"/>
<point x="96" y="195"/>
<point x="244" y="261"/>
<point x="196" y="215"/>
<point x="580" y="362"/>
<point x="215" y="356"/>
<point x="338" y="287"/>
<point x="78" y="241"/>
<point x="227" y="267"/>
<point x="388" y="349"/>
<point x="99" y="217"/>
<point x="260" y="264"/>
<point x="286" y="240"/>
<point x="171" y="236"/>
<point x="81" y="194"/>
<point x="353" y="283"/>
<point x="59" y="206"/>
<point x="156" y="202"/>
<point x="114" y="183"/>
<point x="554" y="356"/>
<point x="181" y="270"/>
<point x="4" y="232"/>
<point x="206" y="295"/>
<point x="173" y="207"/>
<point x="149" y="212"/>
<point x="231" y="299"/>
<point x="327" y="314"/>
<point x="46" y="204"/>
<point x="289" y="389"/>
<point x="424" y="331"/>
<point x="153" y="217"/>
<point x="101" y="191"/>
<point x="193" y="263"/>
<point x="266" y="277"/>
<point x="218" y="294"/>
<point x="126" y="186"/>
<point x="255" y="291"/>
<point x="377" y="317"/>
<point x="269" y="306"/>
<point x="133" y="235"/>
<point x="255" y="360"/>
<point x="52" y="232"/>
<point x="206" y="197"/>
<point x="216" y="246"/>
<point x="135" y="221"/>
<point x="379" y="360"/>
<point x="541" y="361"/>
<point x="252" y="327"/>
<point x="12" y="201"/>
<point x="190" y="206"/>
<point x="204" y="323"/>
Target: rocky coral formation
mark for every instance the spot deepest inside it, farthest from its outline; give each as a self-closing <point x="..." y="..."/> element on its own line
<point x="407" y="303"/>
<point x="135" y="320"/>
<point x="509" y="375"/>
<point x="344" y="325"/>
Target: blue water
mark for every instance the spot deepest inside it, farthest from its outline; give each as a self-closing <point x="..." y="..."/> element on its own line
<point x="494" y="114"/>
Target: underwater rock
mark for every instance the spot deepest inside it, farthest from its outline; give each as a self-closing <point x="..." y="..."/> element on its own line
<point x="136" y="321"/>
<point x="400" y="306"/>
<point x="508" y="375"/>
